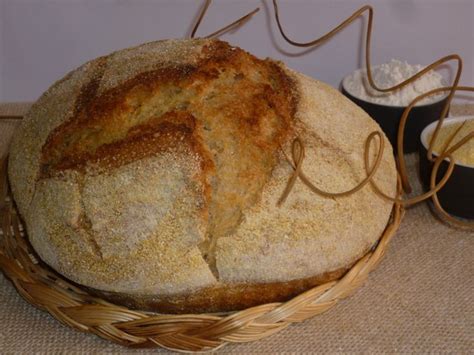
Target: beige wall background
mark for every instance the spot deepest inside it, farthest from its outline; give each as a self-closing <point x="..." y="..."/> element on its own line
<point x="41" y="40"/>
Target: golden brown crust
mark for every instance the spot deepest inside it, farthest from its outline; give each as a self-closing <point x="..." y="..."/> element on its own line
<point x="221" y="298"/>
<point x="101" y="122"/>
<point x="173" y="130"/>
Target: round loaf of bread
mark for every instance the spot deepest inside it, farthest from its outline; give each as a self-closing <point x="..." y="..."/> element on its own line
<point x="151" y="176"/>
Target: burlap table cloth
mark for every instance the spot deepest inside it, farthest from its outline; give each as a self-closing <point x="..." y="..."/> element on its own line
<point x="420" y="299"/>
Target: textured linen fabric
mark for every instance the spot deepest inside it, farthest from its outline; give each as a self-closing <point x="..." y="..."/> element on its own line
<point x="419" y="300"/>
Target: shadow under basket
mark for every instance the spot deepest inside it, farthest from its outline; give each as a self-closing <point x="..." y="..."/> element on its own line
<point x="75" y="307"/>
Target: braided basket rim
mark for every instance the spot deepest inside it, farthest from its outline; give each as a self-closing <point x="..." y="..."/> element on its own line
<point x="75" y="308"/>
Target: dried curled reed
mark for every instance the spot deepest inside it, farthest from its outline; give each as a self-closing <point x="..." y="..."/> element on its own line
<point x="237" y="23"/>
<point x="370" y="173"/>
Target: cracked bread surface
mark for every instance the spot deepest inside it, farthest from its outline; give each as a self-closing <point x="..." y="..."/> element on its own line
<point x="152" y="175"/>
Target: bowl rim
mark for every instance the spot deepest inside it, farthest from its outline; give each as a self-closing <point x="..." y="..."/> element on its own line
<point x="442" y="97"/>
<point x="448" y="121"/>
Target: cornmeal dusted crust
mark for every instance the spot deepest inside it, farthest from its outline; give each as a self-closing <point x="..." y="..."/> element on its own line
<point x="152" y="176"/>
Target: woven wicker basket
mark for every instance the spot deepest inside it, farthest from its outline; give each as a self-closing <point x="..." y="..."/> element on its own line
<point x="74" y="307"/>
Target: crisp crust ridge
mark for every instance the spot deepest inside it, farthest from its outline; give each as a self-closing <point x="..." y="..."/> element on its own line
<point x="221" y="298"/>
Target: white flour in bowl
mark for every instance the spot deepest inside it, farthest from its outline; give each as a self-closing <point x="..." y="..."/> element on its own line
<point x="388" y="75"/>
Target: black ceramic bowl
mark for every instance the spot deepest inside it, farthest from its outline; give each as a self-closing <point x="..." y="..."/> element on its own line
<point x="388" y="117"/>
<point x="457" y="196"/>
